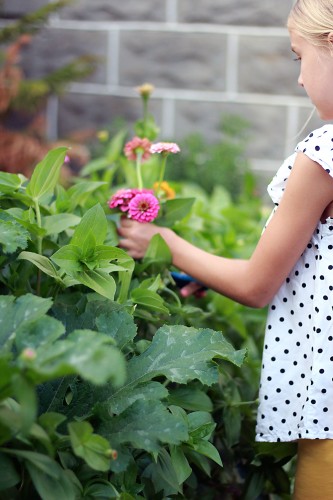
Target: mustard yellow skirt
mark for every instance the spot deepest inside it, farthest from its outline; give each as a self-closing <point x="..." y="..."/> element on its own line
<point x="314" y="470"/>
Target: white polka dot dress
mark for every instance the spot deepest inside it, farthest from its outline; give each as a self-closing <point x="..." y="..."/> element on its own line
<point x="296" y="389"/>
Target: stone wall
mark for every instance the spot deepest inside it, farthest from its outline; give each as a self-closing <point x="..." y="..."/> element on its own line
<point x="206" y="58"/>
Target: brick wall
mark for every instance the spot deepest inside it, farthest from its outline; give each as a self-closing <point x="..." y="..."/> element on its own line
<point x="206" y="58"/>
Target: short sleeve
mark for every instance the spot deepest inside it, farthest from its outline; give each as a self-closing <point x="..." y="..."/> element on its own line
<point x="318" y="146"/>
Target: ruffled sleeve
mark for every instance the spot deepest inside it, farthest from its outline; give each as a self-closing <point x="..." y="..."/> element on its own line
<point x="318" y="146"/>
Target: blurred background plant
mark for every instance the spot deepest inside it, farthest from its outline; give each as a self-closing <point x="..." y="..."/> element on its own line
<point x="23" y="102"/>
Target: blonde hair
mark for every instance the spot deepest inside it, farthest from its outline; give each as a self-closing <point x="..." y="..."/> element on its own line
<point x="313" y="19"/>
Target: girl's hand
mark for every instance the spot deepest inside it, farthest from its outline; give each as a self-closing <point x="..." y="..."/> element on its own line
<point x="135" y="236"/>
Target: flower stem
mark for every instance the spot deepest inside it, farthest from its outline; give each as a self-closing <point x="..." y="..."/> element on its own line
<point x="138" y="169"/>
<point x="39" y="244"/>
<point x="162" y="171"/>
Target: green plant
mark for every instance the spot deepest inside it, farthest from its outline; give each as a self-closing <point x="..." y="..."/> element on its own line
<point x="112" y="386"/>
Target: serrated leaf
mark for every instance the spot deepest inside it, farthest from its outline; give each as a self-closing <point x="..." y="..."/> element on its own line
<point x="146" y="392"/>
<point x="45" y="176"/>
<point x="145" y="424"/>
<point x="12" y="235"/>
<point x="83" y="352"/>
<point x="182" y="354"/>
<point x="14" y="312"/>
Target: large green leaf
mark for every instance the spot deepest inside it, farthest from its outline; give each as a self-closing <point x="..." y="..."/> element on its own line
<point x="182" y="354"/>
<point x="45" y="176"/>
<point x="145" y="424"/>
<point x="14" y="312"/>
<point x="83" y="352"/>
<point x="149" y="391"/>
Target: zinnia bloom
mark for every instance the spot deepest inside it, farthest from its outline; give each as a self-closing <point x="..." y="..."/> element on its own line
<point x="122" y="198"/>
<point x="136" y="146"/>
<point x="143" y="207"/>
<point x="164" y="147"/>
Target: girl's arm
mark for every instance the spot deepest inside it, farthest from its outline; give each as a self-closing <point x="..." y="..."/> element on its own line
<point x="255" y="281"/>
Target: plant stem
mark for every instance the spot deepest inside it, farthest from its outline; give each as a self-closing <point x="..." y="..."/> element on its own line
<point x="39" y="244"/>
<point x="162" y="171"/>
<point x="138" y="169"/>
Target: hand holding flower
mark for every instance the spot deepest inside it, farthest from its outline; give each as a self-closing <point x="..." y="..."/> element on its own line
<point x="135" y="236"/>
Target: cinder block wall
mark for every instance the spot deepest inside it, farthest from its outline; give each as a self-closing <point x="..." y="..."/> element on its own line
<point x="206" y="58"/>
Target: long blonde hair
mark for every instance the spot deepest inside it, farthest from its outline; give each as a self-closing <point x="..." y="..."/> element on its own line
<point x="313" y="19"/>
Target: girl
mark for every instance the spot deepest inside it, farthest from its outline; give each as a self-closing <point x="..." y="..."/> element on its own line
<point x="291" y="269"/>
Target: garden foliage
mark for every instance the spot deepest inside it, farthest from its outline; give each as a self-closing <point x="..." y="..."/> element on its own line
<point x="111" y="385"/>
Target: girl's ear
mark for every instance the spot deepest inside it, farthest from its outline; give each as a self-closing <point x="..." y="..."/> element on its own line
<point x="330" y="37"/>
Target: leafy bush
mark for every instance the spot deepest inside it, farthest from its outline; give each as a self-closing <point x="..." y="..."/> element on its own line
<point x="111" y="385"/>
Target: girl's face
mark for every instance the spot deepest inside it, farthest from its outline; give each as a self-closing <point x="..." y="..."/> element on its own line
<point x="316" y="73"/>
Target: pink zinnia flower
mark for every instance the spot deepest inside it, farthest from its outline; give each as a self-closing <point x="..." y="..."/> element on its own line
<point x="135" y="146"/>
<point x="122" y="198"/>
<point x="143" y="207"/>
<point x="164" y="147"/>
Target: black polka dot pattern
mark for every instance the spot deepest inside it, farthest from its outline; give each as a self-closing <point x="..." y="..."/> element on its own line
<point x="296" y="389"/>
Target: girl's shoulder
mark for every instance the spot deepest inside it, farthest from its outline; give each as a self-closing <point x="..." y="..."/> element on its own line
<point x="318" y="146"/>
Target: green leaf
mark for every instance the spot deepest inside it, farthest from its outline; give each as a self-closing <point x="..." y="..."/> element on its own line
<point x="37" y="333"/>
<point x="83" y="352"/>
<point x="182" y="354"/>
<point x="115" y="146"/>
<point x="81" y="192"/>
<point x="145" y="424"/>
<point x="201" y="425"/>
<point x="97" y="280"/>
<point x="190" y="399"/>
<point x="25" y="394"/>
<point x="174" y="210"/>
<point x="149" y="299"/>
<point x="208" y="450"/>
<point x="42" y="262"/>
<point x="91" y="447"/>
<point x="180" y="463"/>
<point x="51" y="486"/>
<point x="9" y="182"/>
<point x="9" y="476"/>
<point x="12" y="234"/>
<point x="15" y="312"/>
<point x="45" y="176"/>
<point x="68" y="258"/>
<point x="94" y="166"/>
<point x="93" y="223"/>
<point x="55" y="224"/>
<point x="146" y="392"/>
